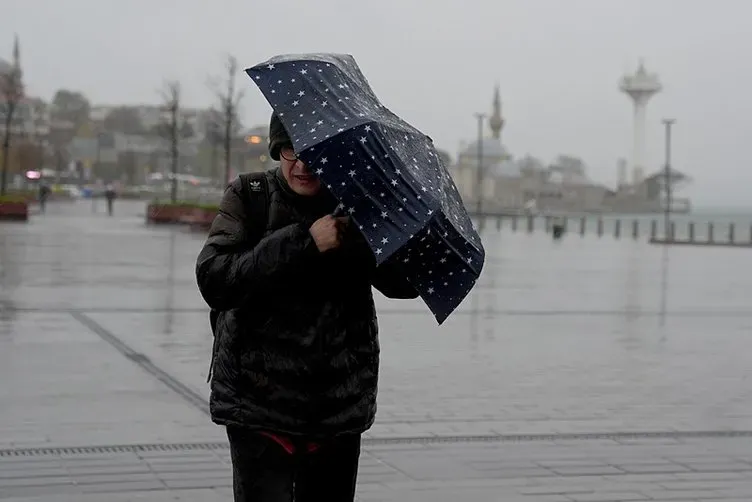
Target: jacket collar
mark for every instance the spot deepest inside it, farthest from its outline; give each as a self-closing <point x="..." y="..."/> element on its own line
<point x="324" y="202"/>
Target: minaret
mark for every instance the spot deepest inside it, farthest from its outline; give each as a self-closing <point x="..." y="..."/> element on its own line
<point x="496" y="121"/>
<point x="17" y="72"/>
<point x="16" y="52"/>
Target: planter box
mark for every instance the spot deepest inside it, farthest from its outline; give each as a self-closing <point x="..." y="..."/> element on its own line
<point x="29" y="197"/>
<point x="199" y="218"/>
<point x="14" y="211"/>
<point x="176" y="214"/>
<point x="164" y="213"/>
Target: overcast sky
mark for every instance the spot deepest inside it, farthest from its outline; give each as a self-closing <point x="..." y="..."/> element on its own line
<point x="435" y="63"/>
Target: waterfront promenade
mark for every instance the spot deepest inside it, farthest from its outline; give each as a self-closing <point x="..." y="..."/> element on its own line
<point x="582" y="370"/>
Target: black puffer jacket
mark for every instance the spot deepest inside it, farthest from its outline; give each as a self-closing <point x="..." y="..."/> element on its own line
<point x="296" y="348"/>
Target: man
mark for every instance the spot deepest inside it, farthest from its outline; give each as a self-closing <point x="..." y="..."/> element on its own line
<point x="44" y="193"/>
<point x="296" y="356"/>
<point x="110" y="194"/>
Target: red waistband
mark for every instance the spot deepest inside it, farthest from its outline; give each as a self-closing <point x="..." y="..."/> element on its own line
<point x="288" y="444"/>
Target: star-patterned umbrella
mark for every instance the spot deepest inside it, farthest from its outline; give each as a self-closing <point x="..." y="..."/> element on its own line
<point x="385" y="173"/>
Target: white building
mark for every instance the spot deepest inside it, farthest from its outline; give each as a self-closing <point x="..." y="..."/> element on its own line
<point x="515" y="185"/>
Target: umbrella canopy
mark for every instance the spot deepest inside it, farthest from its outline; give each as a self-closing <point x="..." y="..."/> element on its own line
<point x="386" y="174"/>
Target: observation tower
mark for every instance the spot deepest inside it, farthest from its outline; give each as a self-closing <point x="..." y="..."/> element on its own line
<point x="640" y="86"/>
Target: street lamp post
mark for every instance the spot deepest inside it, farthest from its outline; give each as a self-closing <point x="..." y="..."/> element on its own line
<point x="96" y="170"/>
<point x="479" y="171"/>
<point x="667" y="179"/>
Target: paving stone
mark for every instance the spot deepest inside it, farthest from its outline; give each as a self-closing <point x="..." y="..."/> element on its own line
<point x="719" y="467"/>
<point x="193" y="495"/>
<point x="674" y="495"/>
<point x="108" y="469"/>
<point x="209" y="473"/>
<point x="31" y="473"/>
<point x="35" y="481"/>
<point x="121" y="477"/>
<point x="199" y="482"/>
<point x="586" y="470"/>
<point x="607" y="496"/>
<point x="124" y="486"/>
<point x="203" y="466"/>
<point x="51" y="492"/>
<point x="668" y="467"/>
<point x="708" y="484"/>
<point x="564" y="340"/>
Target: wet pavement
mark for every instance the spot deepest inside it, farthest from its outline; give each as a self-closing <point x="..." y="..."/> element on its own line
<point x="585" y="370"/>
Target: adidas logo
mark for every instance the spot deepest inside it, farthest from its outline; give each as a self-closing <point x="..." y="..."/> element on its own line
<point x="255" y="186"/>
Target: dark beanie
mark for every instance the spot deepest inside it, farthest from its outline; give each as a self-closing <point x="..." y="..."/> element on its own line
<point x="278" y="137"/>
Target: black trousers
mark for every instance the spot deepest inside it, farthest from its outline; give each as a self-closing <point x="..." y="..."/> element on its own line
<point x="264" y="472"/>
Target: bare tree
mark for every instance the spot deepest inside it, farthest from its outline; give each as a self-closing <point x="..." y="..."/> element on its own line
<point x="229" y="100"/>
<point x="170" y="129"/>
<point x="214" y="138"/>
<point x="30" y="147"/>
<point x="11" y="92"/>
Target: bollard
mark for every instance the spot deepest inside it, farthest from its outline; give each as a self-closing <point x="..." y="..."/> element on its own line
<point x="653" y="230"/>
<point x="691" y="231"/>
<point x="582" y="226"/>
<point x="617" y="229"/>
<point x="530" y="224"/>
<point x="514" y="223"/>
<point x="635" y="229"/>
<point x="600" y="227"/>
<point x="547" y="224"/>
<point x="731" y="233"/>
<point x="671" y="231"/>
<point x="498" y="223"/>
<point x="710" y="232"/>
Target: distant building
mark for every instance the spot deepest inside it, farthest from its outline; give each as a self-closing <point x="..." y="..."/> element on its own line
<point x="152" y="116"/>
<point x="518" y="185"/>
<point x="29" y="121"/>
<point x="257" y="149"/>
<point x="31" y="115"/>
<point x="31" y="118"/>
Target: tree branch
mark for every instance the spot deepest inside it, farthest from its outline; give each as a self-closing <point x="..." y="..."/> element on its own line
<point x="170" y="128"/>
<point x="11" y="91"/>
<point x="228" y="98"/>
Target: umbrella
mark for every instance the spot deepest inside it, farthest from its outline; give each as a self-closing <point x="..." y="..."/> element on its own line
<point x="386" y="174"/>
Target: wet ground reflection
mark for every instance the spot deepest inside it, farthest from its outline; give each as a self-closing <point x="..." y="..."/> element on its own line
<point x="585" y="333"/>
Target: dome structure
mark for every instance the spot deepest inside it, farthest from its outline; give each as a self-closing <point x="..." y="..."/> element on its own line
<point x="492" y="148"/>
<point x="507" y="168"/>
<point x="493" y="153"/>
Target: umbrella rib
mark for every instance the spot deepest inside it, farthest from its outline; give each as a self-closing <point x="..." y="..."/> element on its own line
<point x="454" y="248"/>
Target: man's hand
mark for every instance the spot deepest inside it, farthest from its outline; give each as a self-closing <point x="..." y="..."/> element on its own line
<point x="327" y="231"/>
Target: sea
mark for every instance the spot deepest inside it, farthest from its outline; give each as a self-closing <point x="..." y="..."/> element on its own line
<point x="700" y="222"/>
